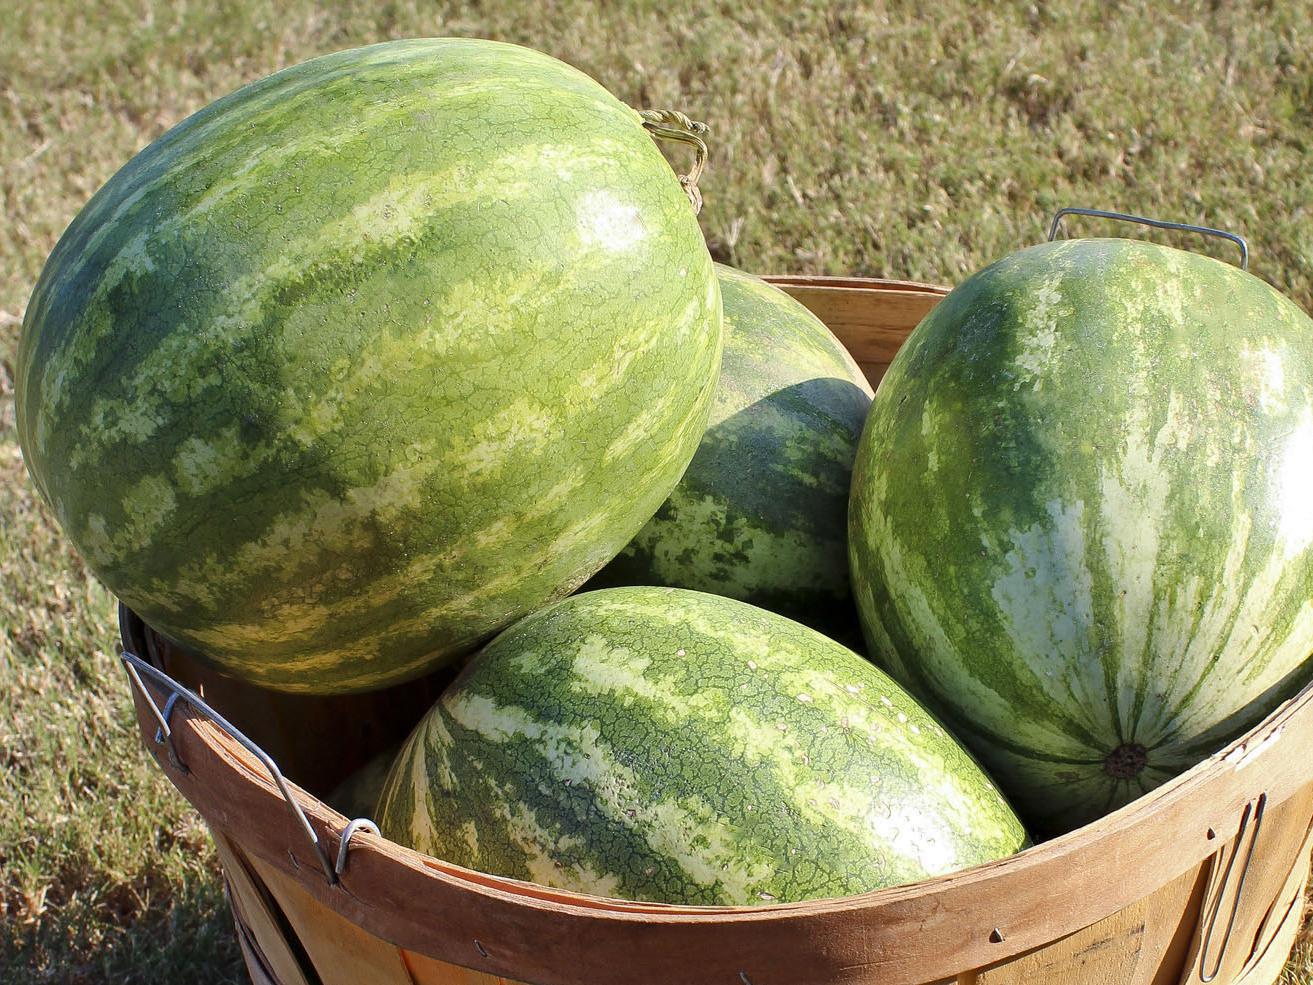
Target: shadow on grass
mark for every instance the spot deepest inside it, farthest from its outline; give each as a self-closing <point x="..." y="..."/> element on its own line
<point x="143" y="928"/>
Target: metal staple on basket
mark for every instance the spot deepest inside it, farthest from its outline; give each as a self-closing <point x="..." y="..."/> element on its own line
<point x="344" y="846"/>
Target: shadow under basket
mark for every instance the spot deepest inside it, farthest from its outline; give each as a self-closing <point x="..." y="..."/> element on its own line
<point x="1201" y="880"/>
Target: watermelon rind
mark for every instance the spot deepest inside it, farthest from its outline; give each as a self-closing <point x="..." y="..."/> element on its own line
<point x="1081" y="526"/>
<point x="673" y="746"/>
<point x="761" y="515"/>
<point x="364" y="361"/>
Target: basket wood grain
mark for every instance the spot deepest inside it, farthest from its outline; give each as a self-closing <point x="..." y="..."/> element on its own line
<point x="1127" y="900"/>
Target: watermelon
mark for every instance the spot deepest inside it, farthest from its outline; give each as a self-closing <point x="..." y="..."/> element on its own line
<point x="357" y="795"/>
<point x="1081" y="526"/>
<point x="364" y="361"/>
<point x="762" y="512"/>
<point x="672" y="746"/>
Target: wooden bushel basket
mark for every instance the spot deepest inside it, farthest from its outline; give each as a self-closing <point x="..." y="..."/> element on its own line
<point x="1202" y="880"/>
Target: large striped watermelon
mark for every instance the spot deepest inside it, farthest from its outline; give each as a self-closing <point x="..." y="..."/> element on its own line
<point x="369" y="358"/>
<point x="1082" y="518"/>
<point x="762" y="512"/>
<point x="661" y="744"/>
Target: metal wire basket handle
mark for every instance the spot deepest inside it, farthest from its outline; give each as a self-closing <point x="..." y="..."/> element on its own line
<point x="136" y="667"/>
<point x="1239" y="241"/>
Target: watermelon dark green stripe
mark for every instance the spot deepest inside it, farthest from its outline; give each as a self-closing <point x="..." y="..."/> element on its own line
<point x="660" y="744"/>
<point x="1080" y="521"/>
<point x="362" y="362"/>
<point x="761" y="513"/>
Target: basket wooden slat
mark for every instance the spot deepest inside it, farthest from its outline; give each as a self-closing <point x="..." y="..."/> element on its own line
<point x="343" y="953"/>
<point x="1148" y="934"/>
<point x="1267" y="965"/>
<point x="1283" y="837"/>
<point x="871" y="321"/>
<point x="269" y="953"/>
<point x="256" y="969"/>
<point x="1122" y="900"/>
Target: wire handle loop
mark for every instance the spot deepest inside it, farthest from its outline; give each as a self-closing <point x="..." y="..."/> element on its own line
<point x="1239" y="241"/>
<point x="1257" y="809"/>
<point x="164" y="733"/>
<point x="359" y="824"/>
<point x="161" y="738"/>
<point x="136" y="667"/>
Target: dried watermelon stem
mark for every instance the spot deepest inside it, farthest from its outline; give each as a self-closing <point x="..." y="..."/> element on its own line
<point x="671" y="124"/>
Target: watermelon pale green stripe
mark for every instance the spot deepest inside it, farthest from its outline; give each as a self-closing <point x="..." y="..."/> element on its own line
<point x="362" y="362"/>
<point x="762" y="512"/>
<point x="668" y="745"/>
<point x="1081" y="516"/>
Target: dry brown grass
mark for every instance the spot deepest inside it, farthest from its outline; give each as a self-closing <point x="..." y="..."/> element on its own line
<point x="1299" y="969"/>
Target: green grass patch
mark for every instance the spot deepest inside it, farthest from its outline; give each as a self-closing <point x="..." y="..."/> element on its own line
<point x="898" y="140"/>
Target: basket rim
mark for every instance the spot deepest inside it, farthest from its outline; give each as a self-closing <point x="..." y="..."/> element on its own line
<point x="846" y="283"/>
<point x="1252" y="747"/>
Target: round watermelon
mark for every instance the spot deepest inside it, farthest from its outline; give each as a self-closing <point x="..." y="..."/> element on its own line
<point x="368" y="359"/>
<point x="761" y="514"/>
<point x="1081" y="521"/>
<point x="668" y="745"/>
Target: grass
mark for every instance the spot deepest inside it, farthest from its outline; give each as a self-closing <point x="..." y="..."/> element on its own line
<point x="1299" y="969"/>
<point x="892" y="140"/>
